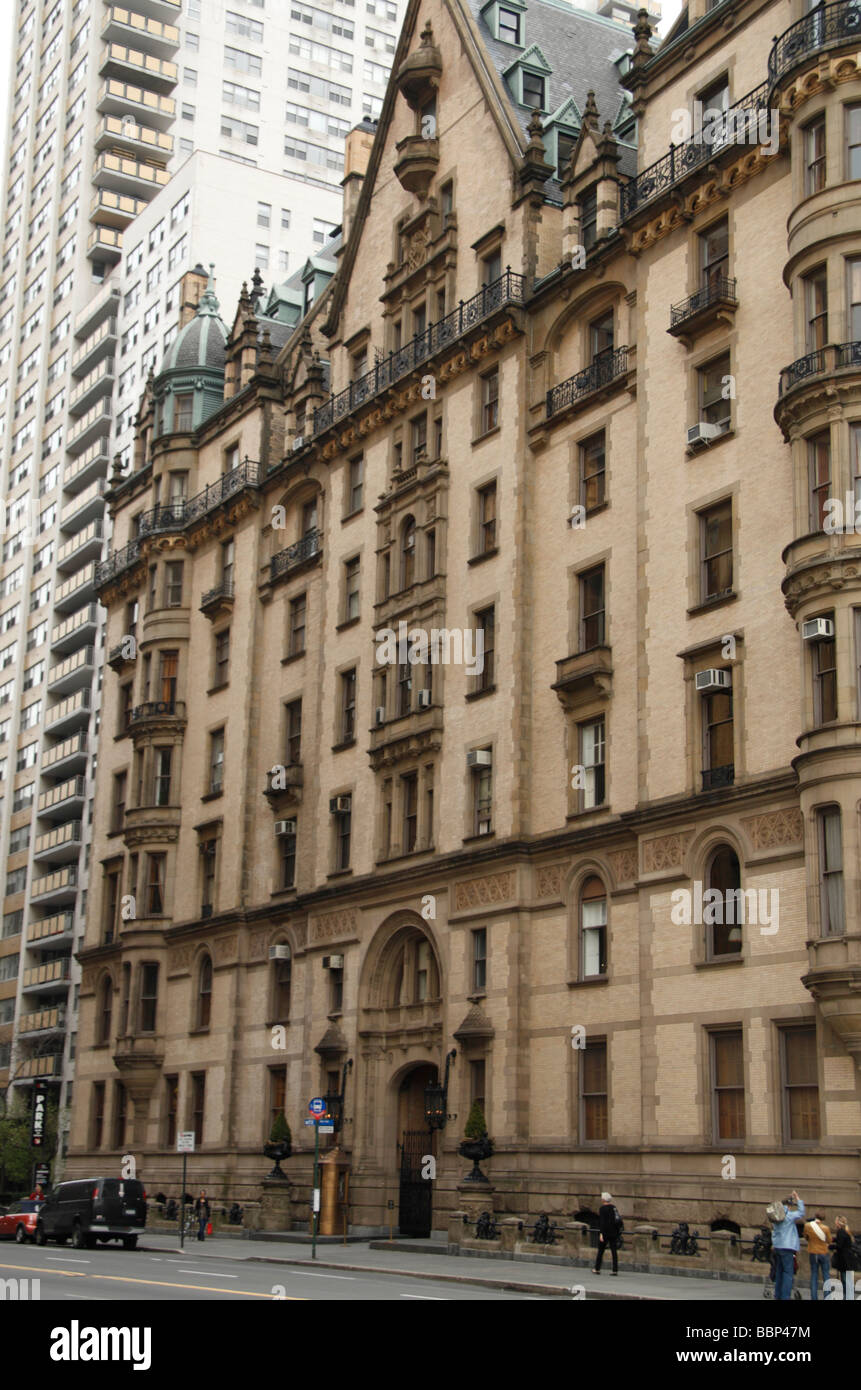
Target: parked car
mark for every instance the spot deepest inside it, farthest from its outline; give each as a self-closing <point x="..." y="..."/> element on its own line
<point x="18" y="1222"/>
<point x="91" y="1210"/>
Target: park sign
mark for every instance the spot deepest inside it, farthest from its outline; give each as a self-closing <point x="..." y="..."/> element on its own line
<point x="39" y="1119"/>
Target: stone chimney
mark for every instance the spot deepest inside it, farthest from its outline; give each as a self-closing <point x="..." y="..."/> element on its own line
<point x="357" y="153"/>
<point x="192" y="285"/>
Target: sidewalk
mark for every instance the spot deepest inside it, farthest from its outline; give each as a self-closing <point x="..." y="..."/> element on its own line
<point x="517" y="1275"/>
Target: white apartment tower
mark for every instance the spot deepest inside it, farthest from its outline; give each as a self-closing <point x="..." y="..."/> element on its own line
<point x="106" y="105"/>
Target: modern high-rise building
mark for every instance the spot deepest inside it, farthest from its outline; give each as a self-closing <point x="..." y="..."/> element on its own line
<point x="112" y="110"/>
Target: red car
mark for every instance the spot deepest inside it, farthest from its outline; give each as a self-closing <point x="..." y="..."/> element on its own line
<point x="19" y="1221"/>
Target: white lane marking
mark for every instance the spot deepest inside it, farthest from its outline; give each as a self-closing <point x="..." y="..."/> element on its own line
<point x="87" y="1297"/>
<point x="67" y="1259"/>
<point x="351" y="1278"/>
<point x="208" y="1273"/>
<point x="424" y="1297"/>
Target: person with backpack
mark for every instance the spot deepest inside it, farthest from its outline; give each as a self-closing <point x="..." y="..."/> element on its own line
<point x="844" y="1261"/>
<point x="785" y="1242"/>
<point x="818" y="1240"/>
<point x="610" y="1227"/>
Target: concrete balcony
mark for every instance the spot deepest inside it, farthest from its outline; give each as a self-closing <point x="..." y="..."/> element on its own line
<point x="42" y="1021"/>
<point x="86" y="392"/>
<point x="58" y="887"/>
<point x="67" y="757"/>
<point x="140" y="1059"/>
<point x="60" y="846"/>
<point x="36" y="1068"/>
<point x="77" y="631"/>
<point x="84" y="545"/>
<point x="84" y="507"/>
<point x="115" y="209"/>
<point x="87" y="430"/>
<point x="132" y="176"/>
<point x="124" y="98"/>
<point x="121" y="133"/>
<point x="99" y="344"/>
<point x="105" y="244"/>
<point x="75" y="673"/>
<point x="584" y="676"/>
<point x="66" y="799"/>
<point x="162" y="716"/>
<point x="52" y="932"/>
<point x="218" y="601"/>
<point x="143" y="31"/>
<point x="284" y="786"/>
<point x="127" y="64"/>
<point x="92" y="316"/>
<point x="88" y="466"/>
<point x="167" y="10"/>
<point x="71" y="713"/>
<point x="80" y="588"/>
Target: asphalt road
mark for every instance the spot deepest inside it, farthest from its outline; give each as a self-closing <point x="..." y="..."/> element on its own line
<point x="112" y="1274"/>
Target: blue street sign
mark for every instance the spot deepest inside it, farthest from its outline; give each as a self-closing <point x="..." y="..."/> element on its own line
<point x="317" y="1106"/>
<point x="310" y="1122"/>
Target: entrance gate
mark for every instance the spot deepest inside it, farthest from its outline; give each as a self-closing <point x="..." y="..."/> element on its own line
<point x="416" y="1192"/>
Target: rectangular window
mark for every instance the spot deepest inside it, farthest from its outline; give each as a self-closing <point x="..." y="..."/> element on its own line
<point x="588" y="205"/>
<point x="119" y="802"/>
<point x="824" y="654"/>
<point x="853" y="298"/>
<point x="348" y="706"/>
<point x="601" y="335"/>
<point x="198" y="1104"/>
<point x="173" y="584"/>
<point x="853" y="142"/>
<point x="533" y="90"/>
<point x="592" y="614"/>
<point x="156" y="866"/>
<point x="727" y="1069"/>
<point x="800" y="1084"/>
<point x="355" y="485"/>
<point x="593" y="465"/>
<point x="819" y="477"/>
<point x="718" y="740"/>
<point x="831" y="897"/>
<point x="343" y="821"/>
<point x="418" y="437"/>
<point x="479" y="960"/>
<point x="816" y="309"/>
<point x="296" y="638"/>
<point x="592" y="753"/>
<point x="714" y="254"/>
<point x="208" y="851"/>
<point x="120" y="1113"/>
<point x="222" y="657"/>
<point x="351" y="589"/>
<point x="168" y="675"/>
<point x="293" y="738"/>
<point x="148" y="997"/>
<point x="163" y="759"/>
<point x="490" y="401"/>
<point x="171" y="1105"/>
<point x="716" y="551"/>
<point x="483" y="801"/>
<point x="714" y="406"/>
<point x="487" y="518"/>
<point x="593" y="1092"/>
<point x="183" y="407"/>
<point x="410" y="806"/>
<point x="97" y="1114"/>
<point x="240" y="61"/>
<point x="287" y="862"/>
<point x="216" y="761"/>
<point x="485" y="622"/>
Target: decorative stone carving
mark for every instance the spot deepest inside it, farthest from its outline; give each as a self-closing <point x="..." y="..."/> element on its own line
<point x="224" y="949"/>
<point x="258" y="945"/>
<point x="481" y="892"/>
<point x="179" y="959"/>
<point x="665" y="852"/>
<point x="332" y="925"/>
<point x="775" y="828"/>
<point x="623" y="863"/>
<point x="549" y="881"/>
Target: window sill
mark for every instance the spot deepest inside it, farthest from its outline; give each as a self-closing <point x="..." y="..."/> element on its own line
<point x="345" y="743"/>
<point x="212" y="796"/>
<point x="488" y="434"/>
<point x="283" y="892"/>
<point x="340" y="873"/>
<point x="474" y="839"/>
<point x="707" y="448"/>
<point x="592" y="511"/>
<point x="196" y="1032"/>
<point x="483" y="555"/>
<point x="480" y="694"/>
<point x="294" y="656"/>
<point x="588" y="981"/>
<point x="213" y="689"/>
<point x="718" y="961"/>
<point x="350" y="515"/>
<point x="603" y="809"/>
<point x="348" y="622"/>
<point x="112" y="834"/>
<point x="708" y="604"/>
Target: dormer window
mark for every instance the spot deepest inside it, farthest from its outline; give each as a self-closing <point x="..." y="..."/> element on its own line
<point x="564" y="146"/>
<point x="508" y="25"/>
<point x="527" y="78"/>
<point x="533" y="90"/>
<point x="506" y="20"/>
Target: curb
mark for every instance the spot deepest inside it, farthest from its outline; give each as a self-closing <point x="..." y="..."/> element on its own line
<point x="509" y="1285"/>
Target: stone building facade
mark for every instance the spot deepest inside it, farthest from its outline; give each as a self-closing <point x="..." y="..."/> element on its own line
<point x="544" y="399"/>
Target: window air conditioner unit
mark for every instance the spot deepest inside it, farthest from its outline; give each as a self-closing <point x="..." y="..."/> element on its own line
<point x="479" y="757"/>
<point x="281" y="952"/>
<point x="333" y="962"/>
<point x="817" y="629"/>
<point x="285" y="827"/>
<point x="380" y="715"/>
<point x="424" y="699"/>
<point x="338" y="804"/>
<point x="298" y="442"/>
<point x="712" y="680"/>
<point x="703" y="432"/>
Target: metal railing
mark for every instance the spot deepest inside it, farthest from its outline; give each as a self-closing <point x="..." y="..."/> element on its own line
<point x="219" y="591"/>
<point x="294" y="554"/>
<point x="735" y="127"/>
<point x="118" y="562"/>
<point x="832" y="357"/>
<point x="825" y="27"/>
<point x="157" y="709"/>
<point x="720" y="288"/>
<point x="714" y="777"/>
<point x="606" y="367"/>
<point x="508" y="289"/>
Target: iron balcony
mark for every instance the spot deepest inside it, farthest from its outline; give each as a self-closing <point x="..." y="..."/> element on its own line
<point x="602" y="371"/>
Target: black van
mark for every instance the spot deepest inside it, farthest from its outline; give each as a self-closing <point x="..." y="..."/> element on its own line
<point x="93" y="1209"/>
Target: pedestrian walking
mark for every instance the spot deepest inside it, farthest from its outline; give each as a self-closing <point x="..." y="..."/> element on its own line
<point x="201" y="1212"/>
<point x="843" y="1260"/>
<point x="609" y="1229"/>
<point x="785" y="1243"/>
<point x="818" y="1240"/>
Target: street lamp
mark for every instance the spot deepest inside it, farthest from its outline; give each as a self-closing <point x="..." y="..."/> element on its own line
<point x="436" y="1097"/>
<point x="335" y="1102"/>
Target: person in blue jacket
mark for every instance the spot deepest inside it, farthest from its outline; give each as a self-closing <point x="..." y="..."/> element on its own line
<point x="786" y="1243"/>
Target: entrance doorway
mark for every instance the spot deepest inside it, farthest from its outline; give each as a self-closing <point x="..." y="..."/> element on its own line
<point x="416" y="1145"/>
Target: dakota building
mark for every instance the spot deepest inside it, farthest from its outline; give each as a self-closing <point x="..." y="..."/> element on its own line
<point x="565" y="386"/>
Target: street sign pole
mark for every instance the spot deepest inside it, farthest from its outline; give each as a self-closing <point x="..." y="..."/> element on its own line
<point x="182" y="1212"/>
<point x="316" y="1193"/>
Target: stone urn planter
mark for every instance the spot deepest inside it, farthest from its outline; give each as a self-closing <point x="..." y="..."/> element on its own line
<point x="279" y="1148"/>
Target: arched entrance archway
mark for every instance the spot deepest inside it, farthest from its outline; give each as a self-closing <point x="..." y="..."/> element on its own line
<point x="416" y="1144"/>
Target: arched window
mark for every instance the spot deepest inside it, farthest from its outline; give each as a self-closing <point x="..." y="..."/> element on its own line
<point x="593" y="928"/>
<point x="723" y="916"/>
<point x="204" y="993"/>
<point x="106" y="1004"/>
<point x="413" y="975"/>
<point x="408" y="552"/>
<point x="282" y="976"/>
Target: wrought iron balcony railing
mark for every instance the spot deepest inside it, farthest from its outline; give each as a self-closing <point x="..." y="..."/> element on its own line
<point x="285" y="560"/>
<point x="508" y="289"/>
<point x="714" y="777"/>
<point x="736" y="127"/>
<point x="719" y="290"/>
<point x="115" y="564"/>
<point x="606" y="367"/>
<point x="218" y="594"/>
<point x="157" y="709"/>
<point x="827" y="26"/>
<point x="831" y="358"/>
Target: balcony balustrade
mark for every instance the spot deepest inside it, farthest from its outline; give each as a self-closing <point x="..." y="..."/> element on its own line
<point x="605" y="369"/>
